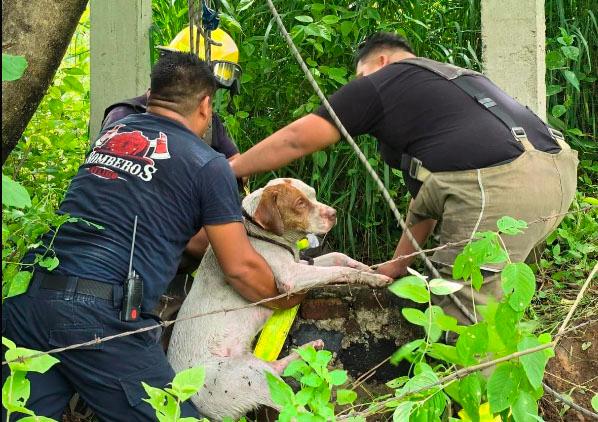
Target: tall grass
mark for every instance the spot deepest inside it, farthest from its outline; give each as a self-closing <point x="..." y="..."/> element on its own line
<point x="274" y="90"/>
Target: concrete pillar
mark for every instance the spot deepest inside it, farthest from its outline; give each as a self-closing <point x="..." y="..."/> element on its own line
<point x="120" y="57"/>
<point x="513" y="39"/>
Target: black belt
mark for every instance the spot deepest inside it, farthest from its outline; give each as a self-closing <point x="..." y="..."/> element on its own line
<point x="82" y="286"/>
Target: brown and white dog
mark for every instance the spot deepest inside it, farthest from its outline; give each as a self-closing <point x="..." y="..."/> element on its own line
<point x="283" y="211"/>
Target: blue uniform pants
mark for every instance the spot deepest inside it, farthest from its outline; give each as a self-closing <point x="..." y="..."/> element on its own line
<point x="107" y="376"/>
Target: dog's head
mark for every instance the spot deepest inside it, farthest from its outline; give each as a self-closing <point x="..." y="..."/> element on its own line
<point x="287" y="206"/>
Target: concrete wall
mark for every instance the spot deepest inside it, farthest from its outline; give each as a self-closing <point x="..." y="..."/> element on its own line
<point x="120" y="59"/>
<point x="362" y="326"/>
<point x="513" y="36"/>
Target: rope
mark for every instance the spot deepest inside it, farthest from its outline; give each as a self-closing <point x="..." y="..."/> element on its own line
<point x="362" y="158"/>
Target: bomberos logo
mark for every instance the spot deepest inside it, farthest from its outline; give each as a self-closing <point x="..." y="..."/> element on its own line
<point x="131" y="152"/>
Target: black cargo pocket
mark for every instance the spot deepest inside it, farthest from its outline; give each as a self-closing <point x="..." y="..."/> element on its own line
<point x="67" y="336"/>
<point x="157" y="375"/>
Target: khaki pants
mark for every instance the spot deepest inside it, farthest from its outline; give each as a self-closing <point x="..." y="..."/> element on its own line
<point x="535" y="187"/>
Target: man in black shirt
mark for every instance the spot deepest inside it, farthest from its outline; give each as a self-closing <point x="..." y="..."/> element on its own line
<point x="470" y="153"/>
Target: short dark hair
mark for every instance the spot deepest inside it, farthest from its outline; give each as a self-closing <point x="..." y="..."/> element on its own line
<point x="379" y="41"/>
<point x="182" y="80"/>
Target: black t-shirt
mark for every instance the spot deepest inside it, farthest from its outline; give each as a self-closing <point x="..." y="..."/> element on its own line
<point x="414" y="111"/>
<point x="155" y="168"/>
<point x="221" y="142"/>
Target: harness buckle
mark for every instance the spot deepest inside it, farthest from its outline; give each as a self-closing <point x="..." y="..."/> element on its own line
<point x="556" y="134"/>
<point x="518" y="132"/>
<point x="414" y="167"/>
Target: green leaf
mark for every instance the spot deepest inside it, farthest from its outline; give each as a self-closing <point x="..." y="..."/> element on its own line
<point x="320" y="158"/>
<point x="519" y="282"/>
<point x="304" y="395"/>
<point x="49" y="263"/>
<point x="534" y="363"/>
<point x="570" y="52"/>
<point x="558" y="110"/>
<point x="412" y="288"/>
<point x="13" y="68"/>
<point x="405" y="351"/>
<point x="39" y="364"/>
<point x="524" y="407"/>
<point x="305" y="19"/>
<point x="470" y="392"/>
<point x="73" y="83"/>
<point x="15" y="391"/>
<point x="414" y="316"/>
<point x="311" y="380"/>
<point x="595" y="402"/>
<point x="432" y="314"/>
<point x="295" y="367"/>
<point x="19" y="283"/>
<point x="442" y="287"/>
<point x="445" y="352"/>
<point x="41" y="419"/>
<point x="510" y="225"/>
<point x="345" y="396"/>
<point x="330" y="19"/>
<point x="553" y="89"/>
<point x="506" y="324"/>
<point x="403" y="412"/>
<point x="503" y="386"/>
<point x="472" y="341"/>
<point x="244" y="5"/>
<point x="280" y="392"/>
<point x="571" y="78"/>
<point x="338" y="377"/>
<point x="554" y="60"/>
<point x="9" y="344"/>
<point x="346" y="27"/>
<point x="307" y="353"/>
<point x="188" y="382"/>
<point x="13" y="194"/>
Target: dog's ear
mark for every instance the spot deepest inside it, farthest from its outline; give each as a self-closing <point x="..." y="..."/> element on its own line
<point x="267" y="213"/>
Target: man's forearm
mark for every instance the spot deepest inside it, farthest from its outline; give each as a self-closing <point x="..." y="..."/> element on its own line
<point x="420" y="231"/>
<point x="308" y="134"/>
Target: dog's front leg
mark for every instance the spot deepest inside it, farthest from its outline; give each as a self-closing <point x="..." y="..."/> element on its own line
<point x="337" y="259"/>
<point x="297" y="277"/>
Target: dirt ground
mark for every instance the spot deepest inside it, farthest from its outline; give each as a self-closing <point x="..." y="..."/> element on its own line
<point x="574" y="372"/>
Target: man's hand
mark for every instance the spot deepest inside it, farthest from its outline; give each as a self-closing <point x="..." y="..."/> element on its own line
<point x="246" y="271"/>
<point x="302" y="137"/>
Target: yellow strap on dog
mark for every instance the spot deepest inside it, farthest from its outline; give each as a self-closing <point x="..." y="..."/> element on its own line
<point x="274" y="334"/>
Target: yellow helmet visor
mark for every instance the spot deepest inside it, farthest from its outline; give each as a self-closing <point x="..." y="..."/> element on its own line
<point x="225" y="72"/>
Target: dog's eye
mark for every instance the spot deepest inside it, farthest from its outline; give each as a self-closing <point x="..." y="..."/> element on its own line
<point x="300" y="203"/>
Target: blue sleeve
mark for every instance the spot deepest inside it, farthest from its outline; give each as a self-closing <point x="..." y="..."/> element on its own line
<point x="218" y="194"/>
<point x="221" y="142"/>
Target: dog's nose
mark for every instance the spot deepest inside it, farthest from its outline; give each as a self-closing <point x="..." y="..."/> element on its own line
<point x="330" y="213"/>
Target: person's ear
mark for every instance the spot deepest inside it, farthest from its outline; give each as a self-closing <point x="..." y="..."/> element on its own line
<point x="383" y="60"/>
<point x="205" y="107"/>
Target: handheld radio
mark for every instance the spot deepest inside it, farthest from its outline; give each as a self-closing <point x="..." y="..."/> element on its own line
<point x="132" y="288"/>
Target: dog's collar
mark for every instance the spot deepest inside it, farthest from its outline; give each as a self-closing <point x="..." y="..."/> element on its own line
<point x="257" y="232"/>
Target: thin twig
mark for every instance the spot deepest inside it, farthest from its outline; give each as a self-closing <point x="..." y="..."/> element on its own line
<point x="578" y="299"/>
<point x="570" y="403"/>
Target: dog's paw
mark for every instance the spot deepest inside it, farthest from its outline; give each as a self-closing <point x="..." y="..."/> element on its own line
<point x="377" y="280"/>
<point x="317" y="344"/>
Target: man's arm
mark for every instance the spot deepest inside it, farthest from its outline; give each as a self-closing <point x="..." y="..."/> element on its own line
<point x="421" y="231"/>
<point x="302" y="137"/>
<point x="245" y="270"/>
